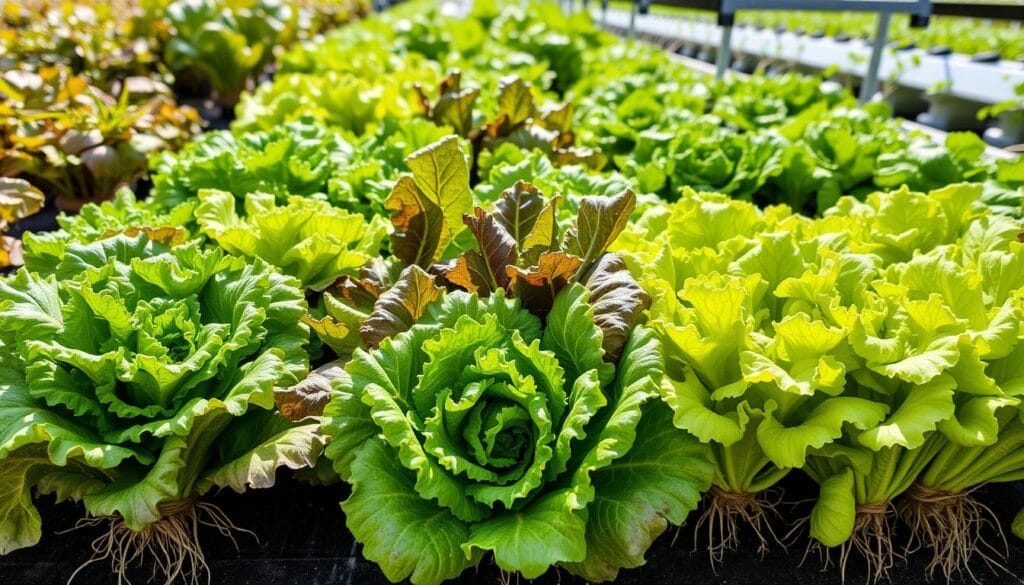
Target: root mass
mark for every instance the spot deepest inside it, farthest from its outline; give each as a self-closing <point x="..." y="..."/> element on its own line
<point x="171" y="544"/>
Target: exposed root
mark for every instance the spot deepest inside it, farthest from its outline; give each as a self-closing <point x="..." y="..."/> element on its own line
<point x="951" y="526"/>
<point x="871" y="540"/>
<point x="170" y="545"/>
<point x="725" y="514"/>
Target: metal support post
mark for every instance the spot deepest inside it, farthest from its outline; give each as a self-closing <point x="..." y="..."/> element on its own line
<point x="632" y="21"/>
<point x="870" y="84"/>
<point x="724" y="52"/>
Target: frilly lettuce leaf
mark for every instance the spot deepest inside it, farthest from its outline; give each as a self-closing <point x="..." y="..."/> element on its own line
<point x="875" y="334"/>
<point x="124" y="380"/>
<point x="296" y="158"/>
<point x="307" y="239"/>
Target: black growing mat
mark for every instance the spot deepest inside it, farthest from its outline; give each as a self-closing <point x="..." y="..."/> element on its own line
<point x="303" y="541"/>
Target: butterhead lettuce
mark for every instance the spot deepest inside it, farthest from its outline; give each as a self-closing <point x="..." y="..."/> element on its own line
<point x="481" y="430"/>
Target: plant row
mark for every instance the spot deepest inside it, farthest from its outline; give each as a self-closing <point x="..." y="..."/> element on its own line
<point x="90" y="90"/>
<point x="196" y="45"/>
<point x="967" y="36"/>
<point x="534" y="294"/>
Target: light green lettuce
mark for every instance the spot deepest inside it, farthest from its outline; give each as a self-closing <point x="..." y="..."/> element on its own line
<point x="756" y="325"/>
<point x="306" y="239"/>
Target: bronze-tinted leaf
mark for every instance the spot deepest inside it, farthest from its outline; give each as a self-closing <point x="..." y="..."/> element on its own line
<point x="401" y="306"/>
<point x="18" y="199"/>
<point x="499" y="128"/>
<point x="497" y="246"/>
<point x="375" y="277"/>
<point x="557" y="118"/>
<point x="537" y="286"/>
<point x="599" y="222"/>
<point x="423" y="101"/>
<point x="452" y="82"/>
<point x="470" y="272"/>
<point x="420" y="227"/>
<point x="441" y="174"/>
<point x="588" y="157"/>
<point x="518" y="208"/>
<point x="515" y="101"/>
<point x="450" y="108"/>
<point x="380" y="274"/>
<point x="533" y="137"/>
<point x="356" y="292"/>
<point x="455" y="109"/>
<point x="617" y="300"/>
<point x="308" y="398"/>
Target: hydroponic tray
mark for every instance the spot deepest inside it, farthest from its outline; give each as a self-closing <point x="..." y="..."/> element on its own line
<point x="986" y="83"/>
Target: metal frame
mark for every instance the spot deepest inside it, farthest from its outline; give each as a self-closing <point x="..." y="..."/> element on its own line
<point x="983" y="83"/>
<point x="919" y="10"/>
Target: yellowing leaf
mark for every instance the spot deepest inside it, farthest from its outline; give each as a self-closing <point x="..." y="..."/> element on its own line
<point x="18" y="199"/>
<point x="516" y="101"/>
<point x="168" y="236"/>
<point x="441" y="174"/>
<point x="10" y="252"/>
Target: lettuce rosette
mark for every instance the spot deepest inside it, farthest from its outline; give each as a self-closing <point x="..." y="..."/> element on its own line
<point x="294" y="158"/>
<point x="136" y="379"/>
<point x="706" y="156"/>
<point x="756" y="324"/>
<point x="124" y="214"/>
<point x="306" y="239"/>
<point x="940" y="336"/>
<point x="483" y="430"/>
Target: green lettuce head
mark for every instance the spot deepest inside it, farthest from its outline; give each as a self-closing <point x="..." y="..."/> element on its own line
<point x="481" y="430"/>
<point x="705" y="156"/>
<point x="306" y="238"/>
<point x="139" y="377"/>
